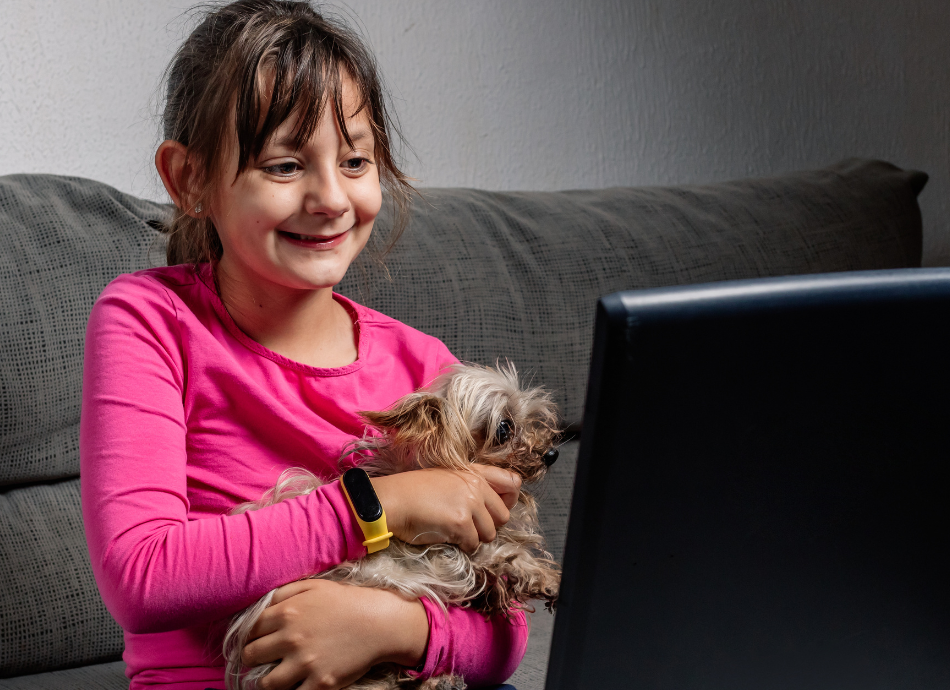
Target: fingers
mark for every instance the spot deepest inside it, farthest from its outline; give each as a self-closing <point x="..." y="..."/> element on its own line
<point x="274" y="616"/>
<point x="484" y="526"/>
<point x="294" y="588"/>
<point x="497" y="511"/>
<point x="326" y="635"/>
<point x="268" y="622"/>
<point x="260" y="651"/>
<point x="282" y="677"/>
<point x="504" y="483"/>
<point x="286" y="675"/>
<point x="487" y="513"/>
<point x="469" y="540"/>
<point x="438" y="505"/>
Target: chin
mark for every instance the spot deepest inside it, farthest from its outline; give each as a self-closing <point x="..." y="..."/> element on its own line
<point x="304" y="279"/>
<point x="326" y="281"/>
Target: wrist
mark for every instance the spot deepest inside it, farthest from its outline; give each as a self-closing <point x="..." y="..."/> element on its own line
<point x="389" y="498"/>
<point x="367" y="509"/>
<point x="404" y="629"/>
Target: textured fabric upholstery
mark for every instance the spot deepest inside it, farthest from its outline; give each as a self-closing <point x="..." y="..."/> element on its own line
<point x="63" y="239"/>
<point x="531" y="673"/>
<point x="52" y="615"/>
<point x="109" y="676"/>
<point x="493" y="274"/>
<point x="517" y="275"/>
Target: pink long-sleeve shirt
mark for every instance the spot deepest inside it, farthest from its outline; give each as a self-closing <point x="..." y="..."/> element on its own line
<point x="184" y="417"/>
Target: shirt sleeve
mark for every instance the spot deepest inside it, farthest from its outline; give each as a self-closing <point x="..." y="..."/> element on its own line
<point x="157" y="569"/>
<point x="484" y="651"/>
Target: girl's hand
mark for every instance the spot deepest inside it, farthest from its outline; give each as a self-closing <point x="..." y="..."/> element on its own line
<point x="439" y="506"/>
<point x="328" y="635"/>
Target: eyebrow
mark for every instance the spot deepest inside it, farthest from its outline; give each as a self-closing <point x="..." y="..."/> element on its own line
<point x="356" y="135"/>
<point x="361" y="134"/>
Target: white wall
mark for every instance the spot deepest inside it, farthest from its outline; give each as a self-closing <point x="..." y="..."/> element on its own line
<point x="536" y="94"/>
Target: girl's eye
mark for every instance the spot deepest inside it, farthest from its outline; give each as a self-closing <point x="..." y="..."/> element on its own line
<point x="355" y="164"/>
<point x="282" y="169"/>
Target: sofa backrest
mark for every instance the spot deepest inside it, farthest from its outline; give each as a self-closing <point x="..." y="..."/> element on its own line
<point x="63" y="240"/>
<point x="495" y="275"/>
<point x="517" y="275"/>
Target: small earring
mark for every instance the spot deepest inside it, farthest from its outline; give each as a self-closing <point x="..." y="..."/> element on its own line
<point x="198" y="208"/>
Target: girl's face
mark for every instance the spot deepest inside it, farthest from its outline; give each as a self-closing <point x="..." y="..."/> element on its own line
<point x="296" y="219"/>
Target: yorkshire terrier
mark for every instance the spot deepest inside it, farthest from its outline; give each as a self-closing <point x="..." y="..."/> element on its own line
<point x="469" y="414"/>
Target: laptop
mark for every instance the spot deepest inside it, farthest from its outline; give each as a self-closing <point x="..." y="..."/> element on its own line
<point x="762" y="497"/>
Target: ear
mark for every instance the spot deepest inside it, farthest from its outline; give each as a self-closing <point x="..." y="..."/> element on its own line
<point x="413" y="416"/>
<point x="422" y="426"/>
<point x="178" y="175"/>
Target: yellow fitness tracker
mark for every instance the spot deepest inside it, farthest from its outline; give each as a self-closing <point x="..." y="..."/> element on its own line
<point x="366" y="507"/>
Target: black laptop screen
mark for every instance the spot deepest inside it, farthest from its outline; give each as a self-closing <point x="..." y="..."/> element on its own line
<point x="763" y="489"/>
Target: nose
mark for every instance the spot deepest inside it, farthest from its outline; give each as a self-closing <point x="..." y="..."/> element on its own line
<point x="550" y="457"/>
<point x="326" y="194"/>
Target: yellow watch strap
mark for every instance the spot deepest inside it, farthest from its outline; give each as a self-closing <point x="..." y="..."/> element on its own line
<point x="376" y="533"/>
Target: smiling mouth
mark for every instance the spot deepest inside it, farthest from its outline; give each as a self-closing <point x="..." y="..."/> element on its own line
<point x="312" y="239"/>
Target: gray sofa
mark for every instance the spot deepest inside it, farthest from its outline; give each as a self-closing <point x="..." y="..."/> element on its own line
<point x="494" y="275"/>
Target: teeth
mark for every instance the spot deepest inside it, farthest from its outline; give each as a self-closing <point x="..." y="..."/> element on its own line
<point x="308" y="238"/>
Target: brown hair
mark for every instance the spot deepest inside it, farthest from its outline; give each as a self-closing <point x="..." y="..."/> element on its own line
<point x="277" y="54"/>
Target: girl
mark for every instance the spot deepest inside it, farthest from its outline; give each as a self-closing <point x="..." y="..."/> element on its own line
<point x="204" y="380"/>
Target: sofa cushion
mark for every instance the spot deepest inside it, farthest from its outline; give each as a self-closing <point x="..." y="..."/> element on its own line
<point x="109" y="676"/>
<point x="517" y="275"/>
<point x="53" y="616"/>
<point x="532" y="672"/>
<point x="63" y="239"/>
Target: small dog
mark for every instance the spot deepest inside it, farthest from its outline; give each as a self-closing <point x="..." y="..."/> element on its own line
<point x="469" y="414"/>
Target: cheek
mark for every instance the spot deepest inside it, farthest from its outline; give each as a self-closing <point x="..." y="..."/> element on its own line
<point x="243" y="207"/>
<point x="369" y="199"/>
<point x="271" y="204"/>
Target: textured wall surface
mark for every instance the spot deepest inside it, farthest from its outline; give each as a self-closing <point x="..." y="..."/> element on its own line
<point x="536" y="94"/>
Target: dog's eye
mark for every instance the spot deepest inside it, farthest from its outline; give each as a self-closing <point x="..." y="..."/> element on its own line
<point x="550" y="457"/>
<point x="503" y="435"/>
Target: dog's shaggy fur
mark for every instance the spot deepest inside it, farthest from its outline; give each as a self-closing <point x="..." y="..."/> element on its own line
<point x="470" y="414"/>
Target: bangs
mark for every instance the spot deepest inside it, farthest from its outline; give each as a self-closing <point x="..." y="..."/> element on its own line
<point x="247" y="68"/>
<point x="297" y="76"/>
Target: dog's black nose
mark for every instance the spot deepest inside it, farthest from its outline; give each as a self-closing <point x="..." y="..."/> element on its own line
<point x="550" y="457"/>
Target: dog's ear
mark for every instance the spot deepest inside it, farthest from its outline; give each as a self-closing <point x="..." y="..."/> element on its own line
<point x="423" y="429"/>
<point x="413" y="415"/>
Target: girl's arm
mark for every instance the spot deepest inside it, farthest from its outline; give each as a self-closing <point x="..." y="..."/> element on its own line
<point x="483" y="651"/>
<point x="330" y="634"/>
<point x="158" y="570"/>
